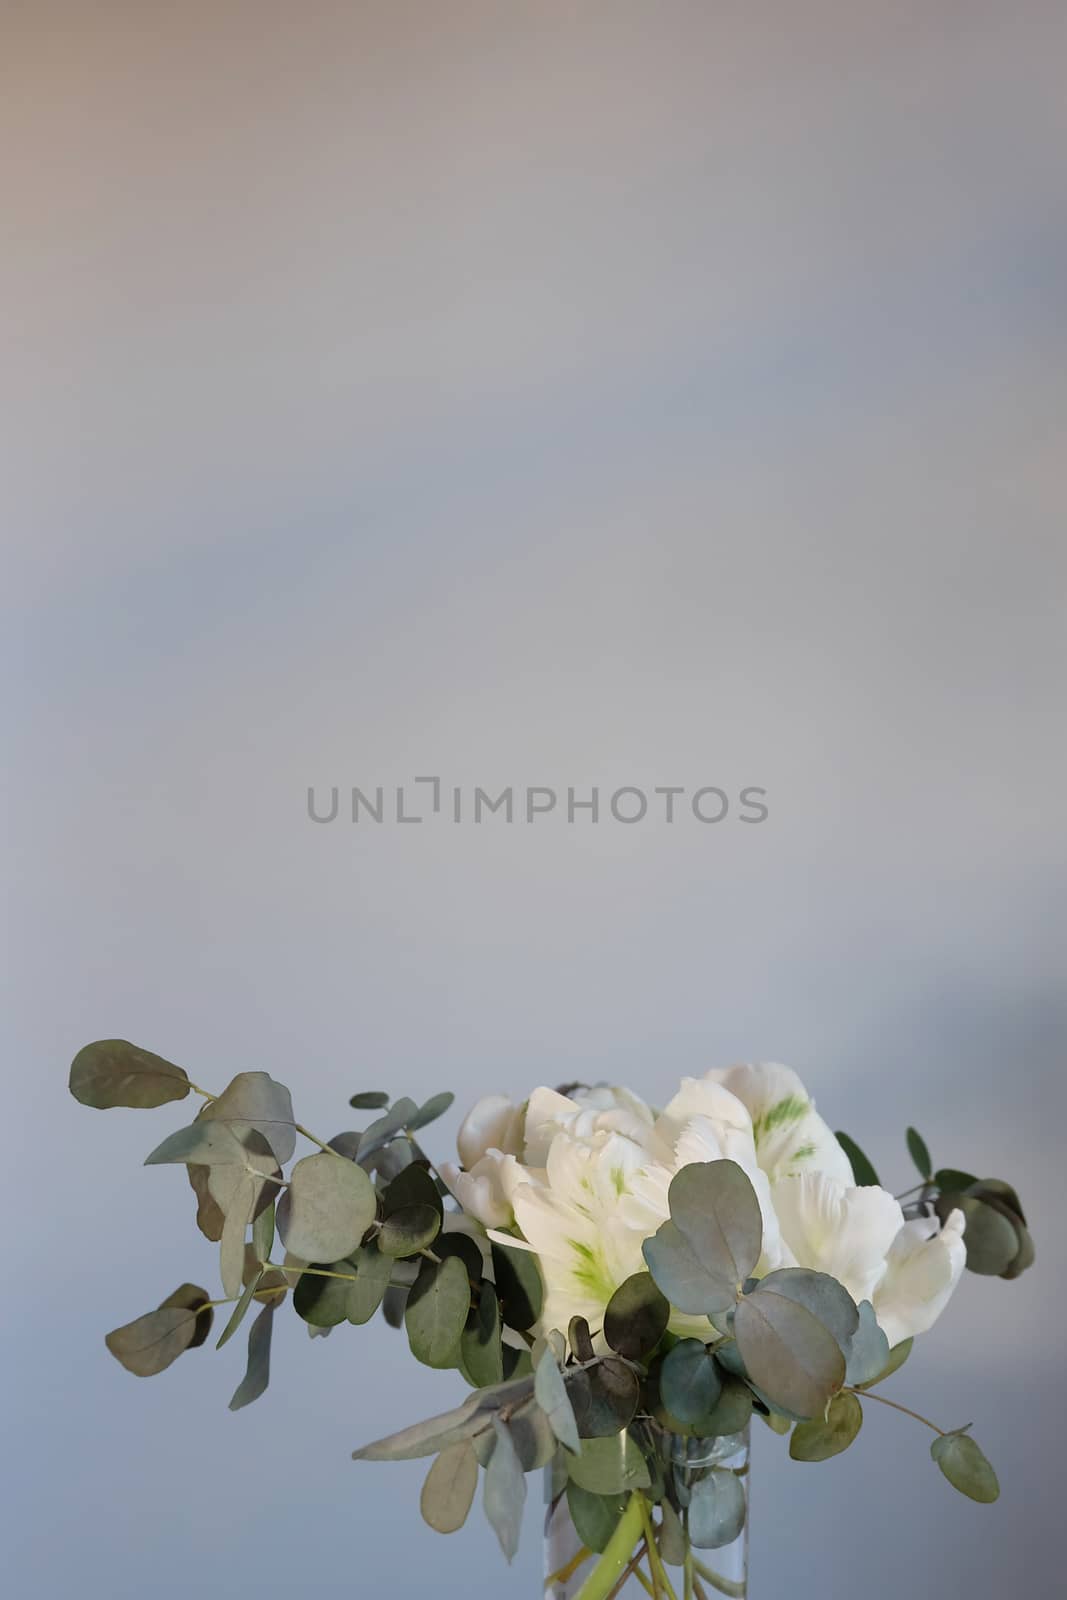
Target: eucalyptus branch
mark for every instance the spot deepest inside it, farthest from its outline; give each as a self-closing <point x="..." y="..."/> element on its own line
<point x="867" y="1394"/>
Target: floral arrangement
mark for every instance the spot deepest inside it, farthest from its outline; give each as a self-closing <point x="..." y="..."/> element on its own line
<point x="622" y="1290"/>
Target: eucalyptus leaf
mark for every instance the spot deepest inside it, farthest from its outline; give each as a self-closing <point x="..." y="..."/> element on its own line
<point x="605" y="1397"/>
<point x="731" y="1412"/>
<point x="332" y="1203"/>
<point x="407" y="1232"/>
<point x="580" y="1339"/>
<point x="965" y="1467"/>
<point x="504" y="1492"/>
<point x="531" y="1434"/>
<point x="437" y="1433"/>
<point x="463" y="1246"/>
<point x="788" y="1352"/>
<point x="263" y="1232"/>
<point x="387" y="1127"/>
<point x="204" y="1143"/>
<point x="250" y="1187"/>
<point x="257" y="1371"/>
<point x="991" y="1238"/>
<point x="712" y="1240"/>
<point x="413" y="1186"/>
<point x="258" y="1101"/>
<point x="717" y="1510"/>
<point x="595" y="1516"/>
<point x="436" y="1312"/>
<point x="393" y="1159"/>
<point x="373" y="1272"/>
<point x="897" y="1357"/>
<point x="952" y="1178"/>
<point x="435" y="1107"/>
<point x="235" y="1232"/>
<point x="777" y="1422"/>
<point x="673" y="1546"/>
<point x="114" y="1072"/>
<point x="448" y="1493"/>
<point x="827" y="1300"/>
<point x="919" y="1153"/>
<point x="369" y="1100"/>
<point x="612" y="1465"/>
<point x="480" y="1351"/>
<point x="518" y="1286"/>
<point x="394" y="1304"/>
<point x="868" y="1354"/>
<point x="862" y="1169"/>
<point x="690" y="1381"/>
<point x="321" y="1301"/>
<point x="636" y="1317"/>
<point x="191" y="1297"/>
<point x="820" y="1438"/>
<point x="151" y="1343"/>
<point x="551" y="1395"/>
<point x="209" y="1215"/>
<point x="238" y="1313"/>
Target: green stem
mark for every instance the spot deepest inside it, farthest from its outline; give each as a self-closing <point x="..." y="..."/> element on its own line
<point x="617" y="1553"/>
<point x="866" y="1394"/>
<point x="660" y="1579"/>
<point x="722" y="1585"/>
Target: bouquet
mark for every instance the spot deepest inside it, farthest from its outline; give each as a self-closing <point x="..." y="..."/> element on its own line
<point x="622" y="1289"/>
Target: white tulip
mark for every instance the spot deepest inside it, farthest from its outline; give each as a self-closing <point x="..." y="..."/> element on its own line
<point x="924" y="1266"/>
<point x="495" y="1123"/>
<point x="487" y="1191"/>
<point x="839" y="1229"/>
<point x="573" y="1222"/>
<point x="599" y="1189"/>
<point x="790" y="1135"/>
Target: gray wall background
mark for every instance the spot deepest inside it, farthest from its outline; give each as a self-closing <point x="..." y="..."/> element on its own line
<point x="527" y="393"/>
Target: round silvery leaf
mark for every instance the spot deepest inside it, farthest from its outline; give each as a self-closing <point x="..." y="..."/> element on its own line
<point x="609" y="1466"/>
<point x="712" y="1241"/>
<point x="436" y="1312"/>
<point x="716" y="1510"/>
<point x="595" y="1516"/>
<point x="448" y="1493"/>
<point x="991" y="1237"/>
<point x="605" y="1398"/>
<point x="868" y="1354"/>
<point x="787" y="1352"/>
<point x="690" y="1381"/>
<point x="636" y="1317"/>
<point x="331" y="1204"/>
<point x="407" y="1232"/>
<point x="151" y="1343"/>
<point x="827" y="1300"/>
<point x="820" y="1439"/>
<point x="481" y="1355"/>
<point x="373" y="1272"/>
<point x="323" y="1302"/>
<point x="256" y="1100"/>
<point x="965" y="1467"/>
<point x="114" y="1072"/>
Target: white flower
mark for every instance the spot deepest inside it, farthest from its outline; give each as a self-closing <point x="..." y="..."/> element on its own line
<point x="486" y="1192"/>
<point x="842" y="1230"/>
<point x="601" y="1166"/>
<point x="923" y="1268"/>
<point x="790" y="1135"/>
<point x="495" y="1123"/>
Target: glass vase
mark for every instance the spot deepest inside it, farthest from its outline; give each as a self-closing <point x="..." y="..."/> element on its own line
<point x="696" y="1554"/>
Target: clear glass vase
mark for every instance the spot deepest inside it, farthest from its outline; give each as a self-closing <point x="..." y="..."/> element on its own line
<point x="692" y="1511"/>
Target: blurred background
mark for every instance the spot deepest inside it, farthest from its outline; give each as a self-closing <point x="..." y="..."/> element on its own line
<point x="530" y="393"/>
